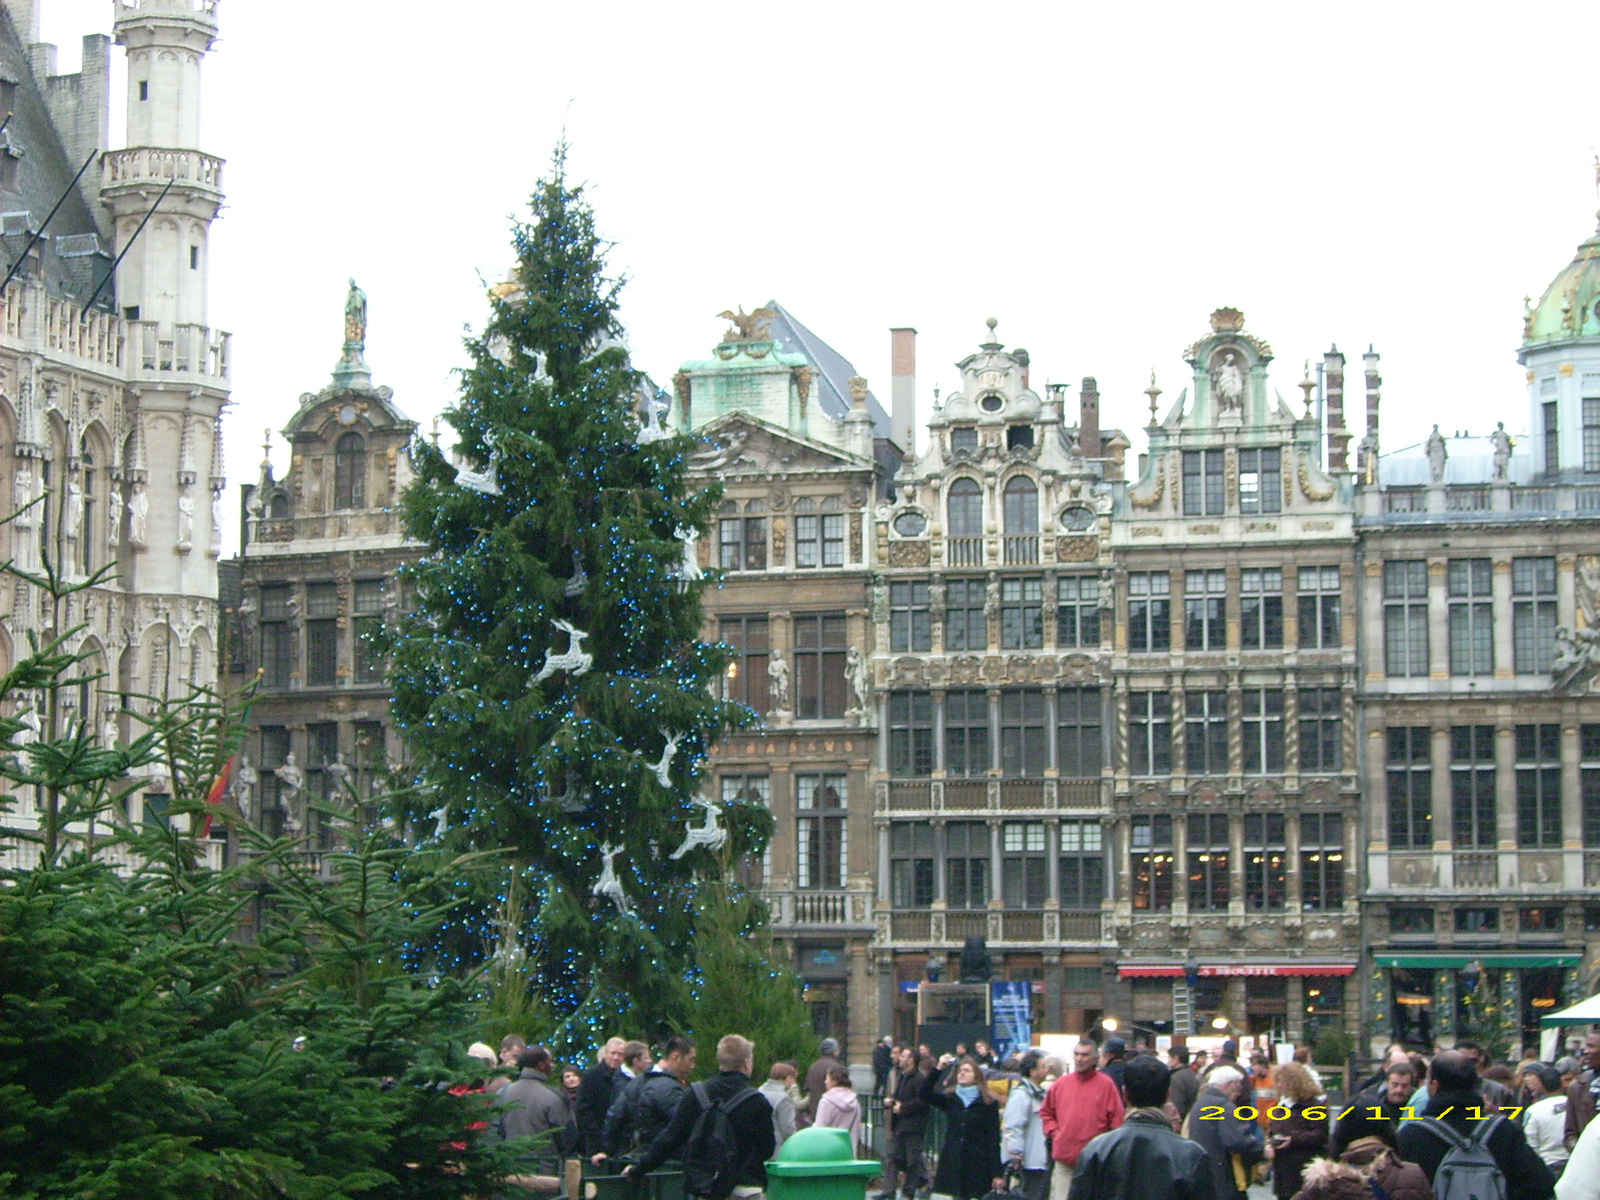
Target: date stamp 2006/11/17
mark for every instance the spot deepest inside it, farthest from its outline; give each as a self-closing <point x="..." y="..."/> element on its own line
<point x="1245" y="1112"/>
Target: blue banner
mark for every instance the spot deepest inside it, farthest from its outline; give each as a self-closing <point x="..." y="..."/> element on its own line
<point x="1012" y="1006"/>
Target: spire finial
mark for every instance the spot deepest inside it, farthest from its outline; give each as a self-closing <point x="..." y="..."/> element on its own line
<point x="266" y="446"/>
<point x="1308" y="385"/>
<point x="993" y="343"/>
<point x="1153" y="392"/>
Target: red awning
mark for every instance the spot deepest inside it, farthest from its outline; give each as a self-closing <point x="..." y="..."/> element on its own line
<point x="1294" y="968"/>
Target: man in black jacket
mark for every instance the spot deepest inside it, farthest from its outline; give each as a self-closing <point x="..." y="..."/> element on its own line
<point x="907" y="1106"/>
<point x="1399" y="1085"/>
<point x="1456" y="1100"/>
<point x="618" y="1135"/>
<point x="1144" y="1159"/>
<point x="750" y="1119"/>
<point x="655" y="1098"/>
<point x="882" y="1061"/>
<point x="594" y="1097"/>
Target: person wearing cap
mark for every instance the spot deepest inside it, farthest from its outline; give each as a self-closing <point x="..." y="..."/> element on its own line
<point x="1114" y="1058"/>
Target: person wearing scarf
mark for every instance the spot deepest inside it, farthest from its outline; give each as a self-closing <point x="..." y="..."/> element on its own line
<point x="970" y="1160"/>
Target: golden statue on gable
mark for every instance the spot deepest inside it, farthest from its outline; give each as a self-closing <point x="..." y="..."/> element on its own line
<point x="748" y="326"/>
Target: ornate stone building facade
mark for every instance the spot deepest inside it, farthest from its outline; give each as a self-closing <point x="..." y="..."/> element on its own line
<point x="112" y="389"/>
<point x="317" y="571"/>
<point x="1480" y="601"/>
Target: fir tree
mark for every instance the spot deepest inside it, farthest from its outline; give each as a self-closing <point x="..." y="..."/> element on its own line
<point x="562" y="518"/>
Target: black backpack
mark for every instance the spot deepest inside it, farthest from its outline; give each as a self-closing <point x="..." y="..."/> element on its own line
<point x="712" y="1159"/>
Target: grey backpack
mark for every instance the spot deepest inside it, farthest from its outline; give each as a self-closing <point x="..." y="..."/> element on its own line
<point x="1468" y="1170"/>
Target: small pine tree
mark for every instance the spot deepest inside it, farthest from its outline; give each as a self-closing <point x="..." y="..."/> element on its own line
<point x="564" y="520"/>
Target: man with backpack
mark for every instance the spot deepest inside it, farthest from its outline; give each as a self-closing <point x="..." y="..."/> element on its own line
<point x="722" y="1131"/>
<point x="1467" y="1149"/>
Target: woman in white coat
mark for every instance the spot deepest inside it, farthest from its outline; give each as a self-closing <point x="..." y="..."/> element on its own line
<point x="1022" y="1142"/>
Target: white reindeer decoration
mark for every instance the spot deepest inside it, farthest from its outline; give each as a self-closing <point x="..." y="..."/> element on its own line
<point x="608" y="885"/>
<point x="710" y="834"/>
<point x="575" y="661"/>
<point x="664" y="764"/>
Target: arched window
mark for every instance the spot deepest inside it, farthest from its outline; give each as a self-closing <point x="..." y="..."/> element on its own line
<point x="966" y="509"/>
<point x="350" y="472"/>
<point x="1021" y="505"/>
<point x="278" y="507"/>
<point x="87" y="547"/>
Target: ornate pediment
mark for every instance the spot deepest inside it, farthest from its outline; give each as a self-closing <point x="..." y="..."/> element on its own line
<point x="740" y="444"/>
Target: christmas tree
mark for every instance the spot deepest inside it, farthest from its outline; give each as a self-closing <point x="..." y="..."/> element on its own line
<point x="548" y="675"/>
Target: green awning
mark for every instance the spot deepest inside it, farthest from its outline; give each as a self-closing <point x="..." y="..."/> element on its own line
<point x="1436" y="962"/>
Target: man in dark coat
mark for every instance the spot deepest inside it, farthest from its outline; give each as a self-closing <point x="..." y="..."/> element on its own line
<point x="618" y="1134"/>
<point x="1391" y="1099"/>
<point x="1222" y="1136"/>
<point x="907" y="1107"/>
<point x="1583" y="1093"/>
<point x="1456" y="1100"/>
<point x="1184" y="1085"/>
<point x="594" y="1097"/>
<point x="530" y="1105"/>
<point x="817" y="1076"/>
<point x="882" y="1063"/>
<point x="1143" y="1160"/>
<point x="750" y="1119"/>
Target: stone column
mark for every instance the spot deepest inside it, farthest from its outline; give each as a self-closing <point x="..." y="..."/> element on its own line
<point x="1377" y="804"/>
<point x="1505" y="802"/>
<point x="940" y="849"/>
<point x="1372" y="620"/>
<point x="1571" y="807"/>
<point x="995" y="891"/>
<point x="1293" y="886"/>
<point x="861" y="1005"/>
<point x="1052" y="742"/>
<point x="1443" y="812"/>
<point x="1438" y="620"/>
<point x="994" y="731"/>
<point x="1235" y="865"/>
<point x="1567" y="591"/>
<point x="1052" y="850"/>
<point x="1180" y="866"/>
<point x="1295" y="1001"/>
<point x="1504" y="657"/>
<point x="884" y="896"/>
<point x="938" y="733"/>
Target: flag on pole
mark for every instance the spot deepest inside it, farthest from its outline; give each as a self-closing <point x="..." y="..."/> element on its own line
<point x="219" y="788"/>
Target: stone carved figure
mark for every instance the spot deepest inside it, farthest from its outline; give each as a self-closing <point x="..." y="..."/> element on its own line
<point x="714" y="455"/>
<point x="185" y="521"/>
<point x="856" y="673"/>
<point x="138" y="517"/>
<point x="216" y="523"/>
<point x="708" y="834"/>
<point x="294" y="782"/>
<point x="74" y="519"/>
<point x="608" y="886"/>
<point x="748" y="326"/>
<point x="355" y="315"/>
<point x="1227" y="382"/>
<point x="1501" y="441"/>
<point x="339" y="772"/>
<point x="1438" y="455"/>
<point x="778" y="681"/>
<point x="245" y="780"/>
<point x="1577" y="660"/>
<point x="22" y="494"/>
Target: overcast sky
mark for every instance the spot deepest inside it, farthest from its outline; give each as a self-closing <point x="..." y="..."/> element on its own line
<point x="1099" y="178"/>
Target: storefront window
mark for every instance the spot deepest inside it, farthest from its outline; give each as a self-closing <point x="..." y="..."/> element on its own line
<point x="1413" y="1005"/>
<point x="1324" y="1006"/>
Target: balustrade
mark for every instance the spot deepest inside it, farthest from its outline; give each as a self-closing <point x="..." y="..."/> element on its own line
<point x="1020" y="548"/>
<point x="1477" y="870"/>
<point x="146" y="163"/>
<point x="963" y="552"/>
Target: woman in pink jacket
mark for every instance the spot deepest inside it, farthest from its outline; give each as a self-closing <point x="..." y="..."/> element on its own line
<point x="838" y="1107"/>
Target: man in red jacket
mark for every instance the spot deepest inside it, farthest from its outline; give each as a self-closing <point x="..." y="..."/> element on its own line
<point x="1080" y="1106"/>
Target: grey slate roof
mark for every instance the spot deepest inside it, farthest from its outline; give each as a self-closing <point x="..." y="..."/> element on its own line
<point x="834" y="370"/>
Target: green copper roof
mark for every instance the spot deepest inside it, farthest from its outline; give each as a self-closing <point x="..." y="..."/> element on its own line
<point x="1570" y="306"/>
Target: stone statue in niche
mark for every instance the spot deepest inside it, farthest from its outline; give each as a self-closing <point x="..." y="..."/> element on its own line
<point x="216" y="523"/>
<point x="1438" y="455"/>
<point x="138" y="517"/>
<point x="355" y="316"/>
<point x="185" y="522"/>
<point x="74" y="521"/>
<point x="855" y="672"/>
<point x="21" y="494"/>
<point x="1227" y="381"/>
<point x="245" y="780"/>
<point x="1501" y="441"/>
<point x="778" y="681"/>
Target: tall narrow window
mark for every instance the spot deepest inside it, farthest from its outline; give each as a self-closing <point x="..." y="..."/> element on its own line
<point x="1405" y="618"/>
<point x="821" y="847"/>
<point x="325" y="787"/>
<point x="1321" y="862"/>
<point x="966" y="864"/>
<point x="1021" y="512"/>
<point x="966" y="733"/>
<point x="1021" y="614"/>
<point x="1533" y="615"/>
<point x="1078" y="733"/>
<point x="350" y="472"/>
<point x="742" y="541"/>
<point x="1208" y="862"/>
<point x="1261" y="608"/>
<point x="274" y="752"/>
<point x="966" y="625"/>
<point x="1149" y="611"/>
<point x="910" y="734"/>
<point x="1150" y="852"/>
<point x="1471" y="617"/>
<point x="1321" y="730"/>
<point x="1319" y="608"/>
<point x="277" y="644"/>
<point x="1589" y="784"/>
<point x="1263" y="731"/>
<point x="1023" y="750"/>
<point x="818" y="537"/>
<point x="1203" y="492"/>
<point x="1410" y="787"/>
<point x="1023" y="867"/>
<point x="1260" y="480"/>
<point x="1591" y="433"/>
<point x="1078" y="611"/>
<point x="367" y="619"/>
<point x="820" y="647"/>
<point x="745" y="678"/>
<point x="1472" y="786"/>
<point x="1206" y="732"/>
<point x="964" y="533"/>
<point x="1550" y="411"/>
<point x="1204" y="596"/>
<point x="910" y="621"/>
<point x="322" y="634"/>
<point x="1539" y="787"/>
<point x="1083" y="865"/>
<point x="910" y="865"/>
<point x="88" y="544"/>
<point x="1266" y="863"/>
<point x="1150" y="732"/>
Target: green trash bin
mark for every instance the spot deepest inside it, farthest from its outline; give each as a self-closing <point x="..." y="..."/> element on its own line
<point x="819" y="1164"/>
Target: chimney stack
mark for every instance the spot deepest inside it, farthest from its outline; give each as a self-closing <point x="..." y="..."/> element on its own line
<point x="1338" y="435"/>
<point x="903" y="389"/>
<point x="1089" y="418"/>
<point x="1374" y="382"/>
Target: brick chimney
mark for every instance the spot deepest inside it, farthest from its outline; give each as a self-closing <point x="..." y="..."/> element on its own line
<point x="1089" y="418"/>
<point x="1338" y="435"/>
<point x="903" y="388"/>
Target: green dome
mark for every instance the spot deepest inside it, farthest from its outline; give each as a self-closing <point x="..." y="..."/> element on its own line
<point x="1570" y="306"/>
<point x="817" y="1144"/>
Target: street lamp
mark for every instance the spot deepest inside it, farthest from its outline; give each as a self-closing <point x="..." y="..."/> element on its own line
<point x="1219" y="1023"/>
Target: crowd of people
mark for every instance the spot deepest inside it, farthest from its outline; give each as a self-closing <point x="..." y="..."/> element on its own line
<point x="1108" y="1125"/>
